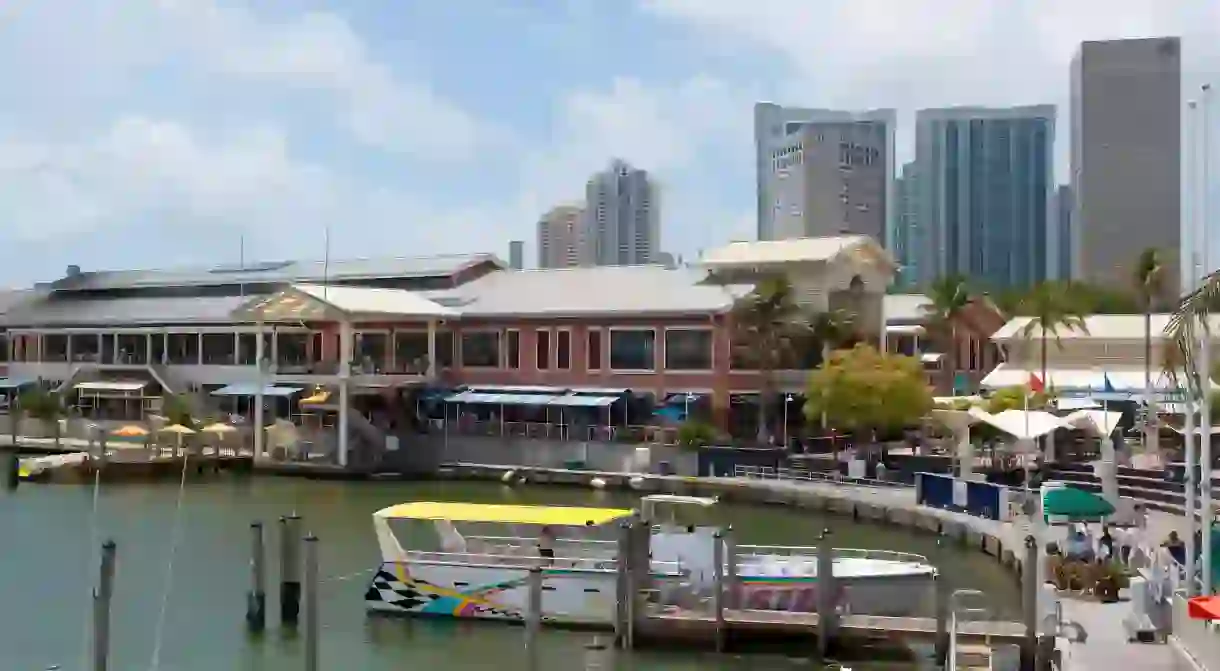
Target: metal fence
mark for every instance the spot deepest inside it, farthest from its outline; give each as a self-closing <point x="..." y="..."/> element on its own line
<point x="800" y="475"/>
<point x="655" y="435"/>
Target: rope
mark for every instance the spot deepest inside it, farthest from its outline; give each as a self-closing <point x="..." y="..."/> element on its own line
<point x="89" y="566"/>
<point x="175" y="533"/>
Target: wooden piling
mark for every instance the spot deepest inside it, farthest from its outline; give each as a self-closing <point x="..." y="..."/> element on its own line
<point x="290" y="570"/>
<point x="311" y="603"/>
<point x="101" y="607"/>
<point x="1029" y="604"/>
<point x="943" y="606"/>
<point x="827" y="591"/>
<point x="256" y="598"/>
<point x="622" y="593"/>
<point x="533" y="617"/>
<point x="718" y="589"/>
<point x="732" y="585"/>
<point x="12" y="476"/>
<point x="598" y="656"/>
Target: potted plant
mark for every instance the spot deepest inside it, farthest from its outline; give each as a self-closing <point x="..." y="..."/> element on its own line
<point x="1110" y="579"/>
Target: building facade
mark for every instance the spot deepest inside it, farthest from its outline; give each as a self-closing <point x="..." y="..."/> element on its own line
<point x="1062" y="255"/>
<point x="1126" y="157"/>
<point x="809" y="160"/>
<point x="561" y="238"/>
<point x="622" y="217"/>
<point x="908" y="236"/>
<point x="986" y="180"/>
<point x="956" y="359"/>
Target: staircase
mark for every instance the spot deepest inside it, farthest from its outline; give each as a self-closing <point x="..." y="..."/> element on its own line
<point x="1150" y="487"/>
<point x="172" y="384"/>
<point x="366" y="442"/>
<point x="79" y="371"/>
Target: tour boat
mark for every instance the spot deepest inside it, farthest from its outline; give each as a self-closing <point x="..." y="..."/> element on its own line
<point x="481" y="576"/>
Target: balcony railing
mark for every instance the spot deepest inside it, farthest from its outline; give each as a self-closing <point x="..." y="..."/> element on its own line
<point x="657" y="435"/>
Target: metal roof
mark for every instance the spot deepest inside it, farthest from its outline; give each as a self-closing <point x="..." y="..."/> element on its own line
<point x="12" y="298"/>
<point x="151" y="311"/>
<point x="312" y="301"/>
<point x="576" y="292"/>
<point x="1101" y="327"/>
<point x="905" y="307"/>
<point x="280" y="272"/>
<point x="794" y="250"/>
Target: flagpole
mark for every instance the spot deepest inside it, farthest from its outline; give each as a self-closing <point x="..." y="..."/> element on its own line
<point x="1192" y="282"/>
<point x="1205" y="386"/>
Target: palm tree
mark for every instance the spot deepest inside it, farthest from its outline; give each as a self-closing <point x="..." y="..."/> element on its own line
<point x="833" y="329"/>
<point x="947" y="302"/>
<point x="1192" y="312"/>
<point x="1147" y="278"/>
<point x="1051" y="307"/>
<point x="765" y="324"/>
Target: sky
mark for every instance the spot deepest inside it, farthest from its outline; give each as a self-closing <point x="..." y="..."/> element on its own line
<point x="157" y="133"/>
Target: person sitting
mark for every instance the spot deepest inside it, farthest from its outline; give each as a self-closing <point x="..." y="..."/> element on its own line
<point x="1176" y="548"/>
<point x="1105" y="544"/>
<point x="1078" y="546"/>
<point x="546" y="545"/>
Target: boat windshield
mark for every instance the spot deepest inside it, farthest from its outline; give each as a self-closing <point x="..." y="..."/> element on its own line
<point x="669" y="510"/>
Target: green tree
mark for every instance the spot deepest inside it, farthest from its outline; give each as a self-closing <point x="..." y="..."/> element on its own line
<point x="45" y="406"/>
<point x="1051" y="307"/>
<point x="1013" y="398"/>
<point x="695" y="434"/>
<point x="178" y="411"/>
<point x="862" y="390"/>
<point x="766" y="323"/>
<point x="1148" y="285"/>
<point x="948" y="300"/>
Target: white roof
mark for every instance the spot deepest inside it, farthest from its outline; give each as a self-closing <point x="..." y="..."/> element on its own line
<point x="905" y="307"/>
<point x="795" y="250"/>
<point x="366" y="300"/>
<point x="1122" y="379"/>
<point x="1101" y="327"/>
<point x="1099" y="421"/>
<point x="1020" y="424"/>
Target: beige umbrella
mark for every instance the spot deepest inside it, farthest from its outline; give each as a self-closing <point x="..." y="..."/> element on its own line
<point x="219" y="430"/>
<point x="181" y="431"/>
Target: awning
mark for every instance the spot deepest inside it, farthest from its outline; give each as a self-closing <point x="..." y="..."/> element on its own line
<point x="252" y="390"/>
<point x="516" y="389"/>
<point x="1076" y="404"/>
<point x="1074" y="504"/>
<point x="111" y="385"/>
<point x="502" y="514"/>
<point x="1204" y="608"/>
<point x="598" y="391"/>
<point x="14" y="382"/>
<point x="1020" y="424"/>
<point x="500" y="399"/>
<point x="682" y="398"/>
<point x="585" y="401"/>
<point x="1100" y="422"/>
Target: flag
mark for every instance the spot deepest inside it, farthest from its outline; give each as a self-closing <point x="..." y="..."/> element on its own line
<point x="1035" y="384"/>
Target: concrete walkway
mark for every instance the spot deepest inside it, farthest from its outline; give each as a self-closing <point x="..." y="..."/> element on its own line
<point x="1107" y="646"/>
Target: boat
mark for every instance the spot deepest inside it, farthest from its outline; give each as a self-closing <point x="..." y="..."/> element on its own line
<point x="464" y="574"/>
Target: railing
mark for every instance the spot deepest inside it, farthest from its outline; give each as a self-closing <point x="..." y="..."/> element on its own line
<point x="556" y="431"/>
<point x="838" y="553"/>
<point x="800" y="475"/>
<point x="594" y="549"/>
<point x="528" y="557"/>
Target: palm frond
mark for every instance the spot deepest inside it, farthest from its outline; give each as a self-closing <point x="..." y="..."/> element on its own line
<point x="1187" y="322"/>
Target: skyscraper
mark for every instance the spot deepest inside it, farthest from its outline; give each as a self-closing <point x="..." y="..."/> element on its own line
<point x="985" y="183"/>
<point x="560" y="237"/>
<point x="1062" y="240"/>
<point x="806" y="158"/>
<point x="622" y="217"/>
<point x="908" y="237"/>
<point x="1126" y="156"/>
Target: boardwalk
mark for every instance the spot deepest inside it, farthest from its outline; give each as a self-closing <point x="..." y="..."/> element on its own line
<point x="922" y="629"/>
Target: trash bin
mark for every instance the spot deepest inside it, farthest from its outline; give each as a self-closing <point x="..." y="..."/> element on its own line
<point x="665" y="468"/>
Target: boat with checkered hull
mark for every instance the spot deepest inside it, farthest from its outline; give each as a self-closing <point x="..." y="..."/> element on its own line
<point x="471" y="575"/>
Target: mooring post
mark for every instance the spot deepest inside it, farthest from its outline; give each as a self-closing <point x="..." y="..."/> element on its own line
<point x="13" y="474"/>
<point x="597" y="656"/>
<point x="718" y="588"/>
<point x="826" y="594"/>
<point x="533" y="617"/>
<point x="256" y="599"/>
<point x="101" y="608"/>
<point x="943" y="605"/>
<point x="732" y="599"/>
<point x="1029" y="604"/>
<point x="311" y="603"/>
<point x="290" y="569"/>
<point x="621" y="587"/>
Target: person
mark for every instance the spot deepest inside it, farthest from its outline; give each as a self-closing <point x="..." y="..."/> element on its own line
<point x="1105" y="544"/>
<point x="1177" y="549"/>
<point x="546" y="544"/>
<point x="1078" y="546"/>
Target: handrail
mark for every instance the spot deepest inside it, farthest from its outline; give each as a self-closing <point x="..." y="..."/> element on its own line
<point x="518" y="561"/>
<point x="797" y="474"/>
<point x="837" y="553"/>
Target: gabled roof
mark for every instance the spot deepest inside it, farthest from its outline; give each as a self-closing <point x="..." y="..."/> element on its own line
<point x="1101" y="327"/>
<point x="312" y="301"/>
<point x="797" y="250"/>
<point x="52" y="311"/>
<point x="279" y="272"/>
<point x="577" y="292"/>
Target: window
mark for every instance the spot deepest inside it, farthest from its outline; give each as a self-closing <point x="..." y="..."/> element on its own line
<point x="55" y="347"/>
<point x="411" y="351"/>
<point x="3" y="347"/>
<point x="543" y="350"/>
<point x="633" y="349"/>
<point x="481" y="349"/>
<point x="218" y="349"/>
<point x="183" y="348"/>
<point x="688" y="349"/>
<point x="444" y="349"/>
<point x="291" y="349"/>
<point x="133" y="348"/>
<point x="563" y="349"/>
<point x="594" y="349"/>
<point x="512" y="348"/>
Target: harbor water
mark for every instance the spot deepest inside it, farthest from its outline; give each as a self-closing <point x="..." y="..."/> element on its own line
<point x="48" y="562"/>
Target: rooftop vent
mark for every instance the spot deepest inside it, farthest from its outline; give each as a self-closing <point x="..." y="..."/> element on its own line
<point x="72" y="271"/>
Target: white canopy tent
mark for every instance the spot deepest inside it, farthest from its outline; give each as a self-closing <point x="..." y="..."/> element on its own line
<point x="1102" y="423"/>
<point x="959" y="422"/>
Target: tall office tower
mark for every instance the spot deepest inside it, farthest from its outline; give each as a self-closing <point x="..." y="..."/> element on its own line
<point x="1126" y="157"/>
<point x="780" y="132"/>
<point x="985" y="183"/>
<point x="622" y="217"/>
<point x="1062" y="256"/>
<point x="908" y="238"/>
<point x="516" y="254"/>
<point x="561" y="237"/>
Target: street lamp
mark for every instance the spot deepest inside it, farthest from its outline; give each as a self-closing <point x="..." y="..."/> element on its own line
<point x="787" y="400"/>
<point x="686" y="399"/>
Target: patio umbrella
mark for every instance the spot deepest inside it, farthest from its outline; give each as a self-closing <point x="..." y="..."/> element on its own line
<point x="219" y="430"/>
<point x="130" y="431"/>
<point x="181" y="431"/>
<point x="318" y="397"/>
<point x="1076" y="505"/>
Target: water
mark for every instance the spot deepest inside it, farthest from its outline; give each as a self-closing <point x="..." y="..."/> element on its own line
<point x="48" y="565"/>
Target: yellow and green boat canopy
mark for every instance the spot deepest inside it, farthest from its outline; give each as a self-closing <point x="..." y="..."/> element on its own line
<point x="563" y="516"/>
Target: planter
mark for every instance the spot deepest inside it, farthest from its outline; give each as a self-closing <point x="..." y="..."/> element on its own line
<point x="1106" y="590"/>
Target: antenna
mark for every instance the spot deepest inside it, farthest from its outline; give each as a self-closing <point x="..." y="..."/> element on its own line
<point x="326" y="262"/>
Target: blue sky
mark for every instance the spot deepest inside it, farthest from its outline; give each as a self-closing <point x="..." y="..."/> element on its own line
<point x="153" y="133"/>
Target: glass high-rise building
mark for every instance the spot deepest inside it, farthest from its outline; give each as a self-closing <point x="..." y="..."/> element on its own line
<point x="986" y="177"/>
<point x="908" y="237"/>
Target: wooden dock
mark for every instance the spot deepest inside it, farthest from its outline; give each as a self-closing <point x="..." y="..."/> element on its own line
<point x="739" y="624"/>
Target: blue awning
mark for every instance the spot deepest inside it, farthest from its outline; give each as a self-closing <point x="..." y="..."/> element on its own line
<point x="500" y="399"/>
<point x="15" y="382"/>
<point x="252" y="390"/>
<point x="682" y="398"/>
<point x="585" y="401"/>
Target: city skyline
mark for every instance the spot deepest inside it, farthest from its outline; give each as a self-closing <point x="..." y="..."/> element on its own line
<point x="155" y="134"/>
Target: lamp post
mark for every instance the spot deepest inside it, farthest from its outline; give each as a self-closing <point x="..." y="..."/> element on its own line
<point x="1192" y="280"/>
<point x="787" y="400"/>
<point x="686" y="399"/>
<point x="1205" y="388"/>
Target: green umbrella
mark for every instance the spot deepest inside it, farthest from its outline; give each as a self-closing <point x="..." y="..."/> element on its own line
<point x="1075" y="504"/>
